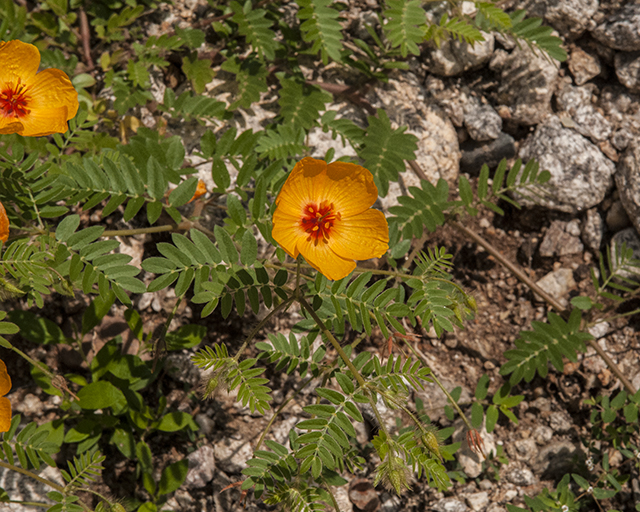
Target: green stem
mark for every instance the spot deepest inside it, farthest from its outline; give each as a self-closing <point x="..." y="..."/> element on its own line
<point x="432" y="375"/>
<point x="28" y="473"/>
<point x="142" y="231"/>
<point x="260" y="325"/>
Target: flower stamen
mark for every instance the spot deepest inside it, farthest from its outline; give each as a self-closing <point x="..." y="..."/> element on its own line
<point x="318" y="220"/>
<point x="14" y="101"/>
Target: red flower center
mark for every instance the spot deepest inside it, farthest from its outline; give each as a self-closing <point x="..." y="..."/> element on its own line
<point x="14" y="101"/>
<point x="318" y="220"/>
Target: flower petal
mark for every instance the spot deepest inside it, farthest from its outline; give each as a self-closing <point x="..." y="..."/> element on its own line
<point x="9" y="125"/>
<point x="45" y="121"/>
<point x="18" y="60"/>
<point x="5" y="414"/>
<point x="349" y="187"/>
<point x="4" y="232"/>
<point x="51" y="89"/>
<point x="361" y="237"/>
<point x="301" y="186"/>
<point x="286" y="231"/>
<point x="325" y="261"/>
<point x="5" y="380"/>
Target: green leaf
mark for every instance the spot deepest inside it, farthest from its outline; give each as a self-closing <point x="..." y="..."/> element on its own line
<point x="583" y="303"/>
<point x="173" y="476"/>
<point x="320" y="27"/>
<point x="175" y="421"/>
<point x="256" y="27"/>
<point x="99" y="395"/>
<point x="36" y="329"/>
<point x="199" y="71"/>
<point x="183" y="192"/>
<point x="405" y="27"/>
<point x="187" y="336"/>
<point x="225" y="243"/>
<point x="249" y="250"/>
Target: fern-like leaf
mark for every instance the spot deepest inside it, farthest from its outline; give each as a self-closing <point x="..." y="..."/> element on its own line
<point x="301" y="104"/>
<point x="256" y="27"/>
<point x="385" y="150"/>
<point x="321" y="28"/>
<point x="83" y="471"/>
<point x="405" y="27"/>
<point x="535" y="35"/>
<point x="286" y="141"/>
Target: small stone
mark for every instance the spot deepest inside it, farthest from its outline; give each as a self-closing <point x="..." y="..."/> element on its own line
<point x="560" y="422"/>
<point x="205" y="423"/>
<point x="628" y="182"/>
<point x="232" y="454"/>
<point x="558" y="283"/>
<point x="617" y="217"/>
<point x="520" y="476"/>
<point x="454" y="57"/>
<point x="621" y="31"/>
<point x="475" y="154"/>
<point x="485" y="485"/>
<point x="525" y="449"/>
<point x="526" y="85"/>
<point x="555" y="460"/>
<point x="593" y="230"/>
<point x="542" y="434"/>
<point x="483" y="123"/>
<point x="477" y="501"/>
<point x="583" y="66"/>
<point x="363" y="494"/>
<point x="201" y="467"/>
<point x="627" y="67"/>
<point x="30" y="406"/>
<point x="560" y="240"/>
<point x="570" y="17"/>
<point x="449" y="505"/>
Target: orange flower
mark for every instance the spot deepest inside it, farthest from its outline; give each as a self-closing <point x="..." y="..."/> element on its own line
<point x="200" y="191"/>
<point x="33" y="104"/>
<point x="4" y="224"/>
<point x="324" y="213"/>
<point x="5" y="404"/>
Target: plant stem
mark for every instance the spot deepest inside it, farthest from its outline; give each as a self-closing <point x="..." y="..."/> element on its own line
<point x="142" y="231"/>
<point x="520" y="274"/>
<point x="30" y="474"/>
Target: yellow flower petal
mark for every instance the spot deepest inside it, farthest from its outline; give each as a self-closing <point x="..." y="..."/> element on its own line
<point x="361" y="237"/>
<point x="350" y="188"/>
<point x="33" y="104"/>
<point x="5" y="414"/>
<point x="19" y="61"/>
<point x="45" y="121"/>
<point x="52" y="88"/>
<point x="4" y="235"/>
<point x="5" y="380"/>
<point x="323" y="259"/>
<point x="10" y="126"/>
<point x="286" y="231"/>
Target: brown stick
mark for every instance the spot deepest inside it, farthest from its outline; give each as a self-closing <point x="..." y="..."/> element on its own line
<point x="86" y="39"/>
<point x="524" y="278"/>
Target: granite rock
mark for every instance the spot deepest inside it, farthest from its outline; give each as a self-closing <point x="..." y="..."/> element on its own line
<point x="580" y="174"/>
<point x="583" y="65"/>
<point x="561" y="239"/>
<point x="621" y="30"/>
<point x="454" y="57"/>
<point x="628" y="182"/>
<point x="627" y="67"/>
<point x="592" y="230"/>
<point x="569" y="17"/>
<point x="482" y="122"/>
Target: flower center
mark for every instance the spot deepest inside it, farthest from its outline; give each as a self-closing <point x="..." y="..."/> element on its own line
<point x="318" y="220"/>
<point x="14" y="101"/>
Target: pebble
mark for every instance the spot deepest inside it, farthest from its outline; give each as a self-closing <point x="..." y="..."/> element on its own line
<point x="520" y="476"/>
<point x="232" y="454"/>
<point x="449" y="505"/>
<point x="558" y="284"/>
<point x="477" y="501"/>
<point x="542" y="434"/>
<point x="201" y="467"/>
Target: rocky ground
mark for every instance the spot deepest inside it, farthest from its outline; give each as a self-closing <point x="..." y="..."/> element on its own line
<point x="467" y="106"/>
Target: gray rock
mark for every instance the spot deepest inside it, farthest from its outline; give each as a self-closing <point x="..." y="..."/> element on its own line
<point x="205" y="423"/>
<point x="520" y="476"/>
<point x="580" y="173"/>
<point x="483" y="122"/>
<point x="592" y="230"/>
<point x="628" y="70"/>
<point x="555" y="460"/>
<point x="629" y="237"/>
<point x="560" y="422"/>
<point x="621" y="30"/>
<point x="231" y="455"/>
<point x="454" y="57"/>
<point x="558" y="284"/>
<point x="617" y="217"/>
<point x="576" y="101"/>
<point x="583" y="65"/>
<point x="201" y="467"/>
<point x="628" y="182"/>
<point x="561" y="239"/>
<point x="449" y="505"/>
<point x="438" y="152"/>
<point x="542" y="434"/>
<point x="478" y="500"/>
<point x="569" y="17"/>
<point x="524" y="449"/>
<point x="526" y="85"/>
<point x="475" y="154"/>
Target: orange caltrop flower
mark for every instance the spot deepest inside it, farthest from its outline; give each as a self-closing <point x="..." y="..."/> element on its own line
<point x="324" y="213"/>
<point x="31" y="103"/>
<point x="200" y="191"/>
<point x="4" y="224"/>
<point x="5" y="404"/>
